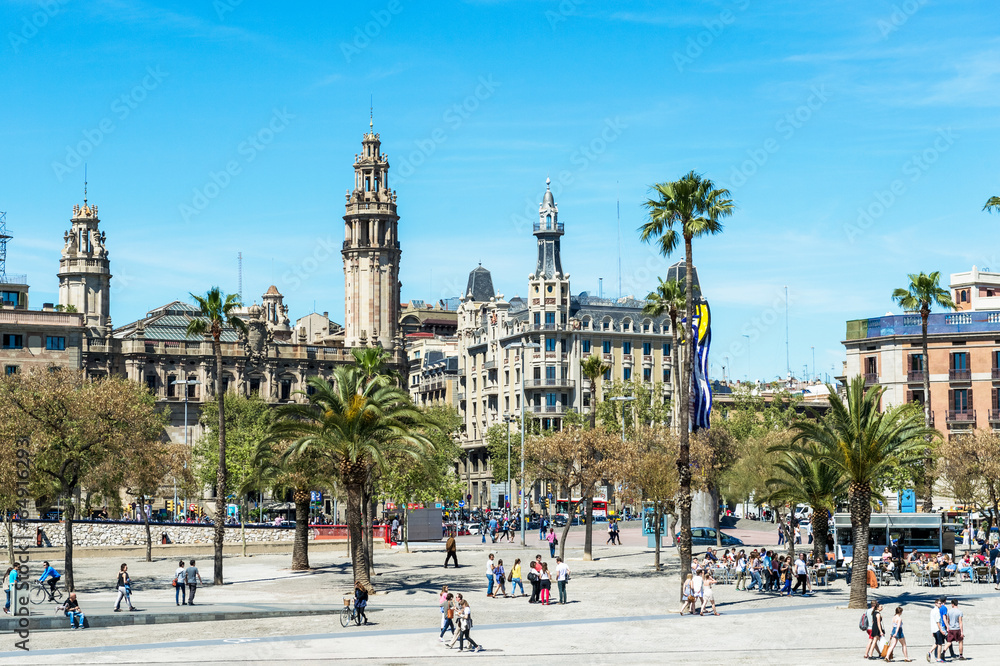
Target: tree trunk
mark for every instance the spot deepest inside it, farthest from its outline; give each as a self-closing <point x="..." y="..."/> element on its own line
<point x="820" y="529"/>
<point x="928" y="498"/>
<point x="860" y="501"/>
<point x="656" y="532"/>
<point x="684" y="409"/>
<point x="300" y="547"/>
<point x="149" y="536"/>
<point x="406" y="535"/>
<point x="8" y="523"/>
<point x="671" y="523"/>
<point x="355" y="529"/>
<point x="713" y="494"/>
<point x="786" y="527"/>
<point x="588" y="535"/>
<point x="369" y="534"/>
<point x="243" y="530"/>
<point x="593" y="403"/>
<point x="68" y="531"/>
<point x="220" y="475"/>
<point x="675" y="366"/>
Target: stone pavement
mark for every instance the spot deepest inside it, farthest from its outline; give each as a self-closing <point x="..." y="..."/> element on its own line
<point x="620" y="609"/>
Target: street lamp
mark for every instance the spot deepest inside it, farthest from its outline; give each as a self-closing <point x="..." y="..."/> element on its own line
<point x="748" y="356"/>
<point x="185" y="383"/>
<point x="508" y="419"/>
<point x="521" y="346"/>
<point x="623" y="399"/>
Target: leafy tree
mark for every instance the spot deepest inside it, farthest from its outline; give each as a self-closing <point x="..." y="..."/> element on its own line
<point x="217" y="311"/>
<point x="970" y="468"/>
<point x="648" y="408"/>
<point x="923" y="292"/>
<point x="669" y="298"/>
<point x="862" y="443"/>
<point x="992" y="205"/>
<point x="683" y="210"/>
<point x="593" y="368"/>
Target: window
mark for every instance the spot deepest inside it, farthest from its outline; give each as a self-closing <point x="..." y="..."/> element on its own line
<point x="586" y="400"/>
<point x="626" y="374"/>
<point x="550" y="344"/>
<point x="586" y="346"/>
<point x="666" y="375"/>
<point x="506" y="377"/>
<point x="606" y="346"/>
<point x="286" y="389"/>
<point x="10" y="369"/>
<point x="254" y="385"/>
<point x="538" y="373"/>
<point x="960" y="361"/>
<point x="562" y="318"/>
<point x="562" y="345"/>
<point x="9" y="298"/>
<point x="55" y="343"/>
<point x="192" y="388"/>
<point x="627" y="325"/>
<point x="961" y="399"/>
<point x="171" y="387"/>
<point x="607" y="374"/>
<point x="550" y="399"/>
<point x="151" y="383"/>
<point x="549" y="289"/>
<point x="647" y="374"/>
<point x="647" y="348"/>
<point x="606" y="324"/>
<point x="538" y="319"/>
<point x="666" y="349"/>
<point x="626" y="347"/>
<point x="916" y="362"/>
<point x="550" y="372"/>
<point x="12" y="341"/>
<point x="550" y="317"/>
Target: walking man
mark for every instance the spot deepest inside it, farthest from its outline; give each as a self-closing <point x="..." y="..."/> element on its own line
<point x="451" y="550"/>
<point x="956" y="630"/>
<point x="801" y="575"/>
<point x="562" y="577"/>
<point x="489" y="576"/>
<point x="193" y="578"/>
<point x="938" y="633"/>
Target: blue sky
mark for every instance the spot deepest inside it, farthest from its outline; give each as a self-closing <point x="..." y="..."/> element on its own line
<point x="858" y="138"/>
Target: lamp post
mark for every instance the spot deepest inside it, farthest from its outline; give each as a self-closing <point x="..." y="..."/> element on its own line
<point x="748" y="356"/>
<point x="185" y="383"/>
<point x="507" y="418"/>
<point x="623" y="399"/>
<point x="521" y="345"/>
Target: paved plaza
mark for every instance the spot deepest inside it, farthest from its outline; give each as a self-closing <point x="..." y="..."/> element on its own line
<point x="620" y="609"/>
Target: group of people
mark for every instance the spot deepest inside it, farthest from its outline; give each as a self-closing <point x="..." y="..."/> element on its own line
<point x="699" y="593"/>
<point x="763" y="570"/>
<point x="186" y="580"/>
<point x="539" y="577"/>
<point x="614" y="536"/>
<point x="947" y="626"/>
<point x="456" y="612"/>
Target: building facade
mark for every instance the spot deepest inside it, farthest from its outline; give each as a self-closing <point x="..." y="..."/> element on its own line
<point x="526" y="353"/>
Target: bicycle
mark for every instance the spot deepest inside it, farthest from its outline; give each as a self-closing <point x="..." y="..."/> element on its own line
<point x="40" y="593"/>
<point x="349" y="612"/>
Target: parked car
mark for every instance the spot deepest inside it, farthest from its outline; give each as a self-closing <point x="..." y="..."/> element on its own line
<point x="705" y="536"/>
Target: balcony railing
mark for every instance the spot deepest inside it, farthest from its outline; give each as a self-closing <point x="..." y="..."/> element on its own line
<point x="547" y="409"/>
<point x="960" y="375"/>
<point x="915" y="376"/>
<point x="871" y="378"/>
<point x="995" y="416"/>
<point x="609" y="358"/>
<point x="647" y="358"/>
<point x="961" y="416"/>
<point x="544" y="383"/>
<point x="996" y="373"/>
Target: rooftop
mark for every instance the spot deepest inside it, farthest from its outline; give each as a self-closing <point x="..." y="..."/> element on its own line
<point x="939" y="323"/>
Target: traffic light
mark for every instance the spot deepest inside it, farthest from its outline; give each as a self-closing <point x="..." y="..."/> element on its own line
<point x="170" y="505"/>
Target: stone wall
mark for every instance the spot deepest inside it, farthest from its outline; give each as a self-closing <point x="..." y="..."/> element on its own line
<point x="134" y="534"/>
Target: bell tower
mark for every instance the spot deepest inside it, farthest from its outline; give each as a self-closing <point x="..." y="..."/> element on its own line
<point x="85" y="271"/>
<point x="548" y="285"/>
<point x="371" y="251"/>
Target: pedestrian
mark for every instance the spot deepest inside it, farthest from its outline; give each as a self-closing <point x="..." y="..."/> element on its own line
<point x="781" y="533"/>
<point x="562" y="577"/>
<point x="546" y="581"/>
<point x="939" y="630"/>
<point x="534" y="578"/>
<point x="618" y="534"/>
<point x="698" y="588"/>
<point x="444" y="604"/>
<point x="72" y="610"/>
<point x="180" y="593"/>
<point x="708" y="593"/>
<point x="489" y="576"/>
<point x="877" y="631"/>
<point x="801" y="575"/>
<point x="360" y="601"/>
<point x="499" y="574"/>
<point x="688" y="594"/>
<point x="515" y="579"/>
<point x="896" y="636"/>
<point x="124" y="587"/>
<point x="9" y="581"/>
<point x="542" y="524"/>
<point x="448" y="615"/>
<point x="786" y="575"/>
<point x="451" y="550"/>
<point x="553" y="541"/>
<point x="741" y="572"/>
<point x="465" y="626"/>
<point x="193" y="578"/>
<point x="956" y="630"/>
<point x="611" y="534"/>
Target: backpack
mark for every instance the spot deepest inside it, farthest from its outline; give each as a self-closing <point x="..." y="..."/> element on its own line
<point x="863" y="624"/>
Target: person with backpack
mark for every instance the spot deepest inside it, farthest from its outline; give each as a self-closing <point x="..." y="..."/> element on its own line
<point x="877" y="631"/>
<point x="499" y="573"/>
<point x="534" y="569"/>
<point x="553" y="541"/>
<point x="865" y="625"/>
<point x="448" y="610"/>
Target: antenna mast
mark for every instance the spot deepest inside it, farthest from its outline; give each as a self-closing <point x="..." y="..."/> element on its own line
<point x="788" y="365"/>
<point x="618" y="208"/>
<point x="239" y="268"/>
<point x="4" y="237"/>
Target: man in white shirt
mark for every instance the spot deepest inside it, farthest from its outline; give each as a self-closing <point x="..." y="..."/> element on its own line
<point x="801" y="575"/>
<point x="697" y="587"/>
<point x="562" y="577"/>
<point x="489" y="576"/>
<point x="938" y="632"/>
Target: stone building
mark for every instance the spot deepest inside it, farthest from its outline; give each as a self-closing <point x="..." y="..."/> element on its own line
<point x="545" y="380"/>
<point x="433" y="369"/>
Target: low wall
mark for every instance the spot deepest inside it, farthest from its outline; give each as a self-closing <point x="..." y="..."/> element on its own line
<point x="134" y="534"/>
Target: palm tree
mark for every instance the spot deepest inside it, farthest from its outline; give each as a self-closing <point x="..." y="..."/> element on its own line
<point x="803" y="479"/>
<point x="685" y="209"/>
<point x="669" y="298"/>
<point x="923" y="293"/>
<point x="993" y="205"/>
<point x="593" y="368"/>
<point x="865" y="446"/>
<point x="217" y="312"/>
<point x="356" y="423"/>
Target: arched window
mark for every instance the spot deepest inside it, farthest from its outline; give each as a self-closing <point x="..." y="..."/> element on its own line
<point x="548" y="221"/>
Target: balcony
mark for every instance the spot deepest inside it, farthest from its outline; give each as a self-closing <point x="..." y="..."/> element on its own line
<point x="996" y="374"/>
<point x="647" y="359"/>
<point x="547" y="383"/>
<point x="627" y="359"/>
<point x="915" y="377"/>
<point x="994" y="416"/>
<point x="547" y="409"/>
<point x="490" y="365"/>
<point x="871" y="378"/>
<point x="961" y="416"/>
<point x="460" y="395"/>
<point x="960" y="375"/>
<point x="491" y="389"/>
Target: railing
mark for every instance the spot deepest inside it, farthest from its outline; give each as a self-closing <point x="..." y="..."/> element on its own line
<point x="627" y="358"/>
<point x="549" y="226"/>
<point x="489" y="365"/>
<point x="14" y="278"/>
<point x="609" y="357"/>
<point x="960" y="375"/>
<point x="460" y="395"/>
<point x="995" y="416"/>
<point x="647" y="358"/>
<point x="996" y="373"/>
<point x="547" y="327"/>
<point x="43" y="317"/>
<point x="917" y="376"/>
<point x="542" y="383"/>
<point x="548" y="409"/>
<point x="961" y="416"/>
<point x="871" y="378"/>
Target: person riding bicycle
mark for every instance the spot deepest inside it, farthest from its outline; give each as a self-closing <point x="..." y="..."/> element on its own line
<point x="53" y="576"/>
<point x="360" y="601"/>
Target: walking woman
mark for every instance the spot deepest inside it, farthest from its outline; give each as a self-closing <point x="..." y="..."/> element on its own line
<point x="708" y="594"/>
<point x="360" y="602"/>
<point x="534" y="569"/>
<point x="688" y="595"/>
<point x="464" y="627"/>
<point x="896" y="636"/>
<point x="444" y="604"/>
<point x="449" y="616"/>
<point x="786" y="575"/>
<point x="180" y="592"/>
<point x="500" y="576"/>
<point x="124" y="585"/>
<point x="878" y="631"/>
<point x="546" y="581"/>
<point x="515" y="579"/>
<point x="553" y="541"/>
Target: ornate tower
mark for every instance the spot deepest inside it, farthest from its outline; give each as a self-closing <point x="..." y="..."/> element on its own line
<point x="548" y="285"/>
<point x="371" y="252"/>
<point x="85" y="272"/>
